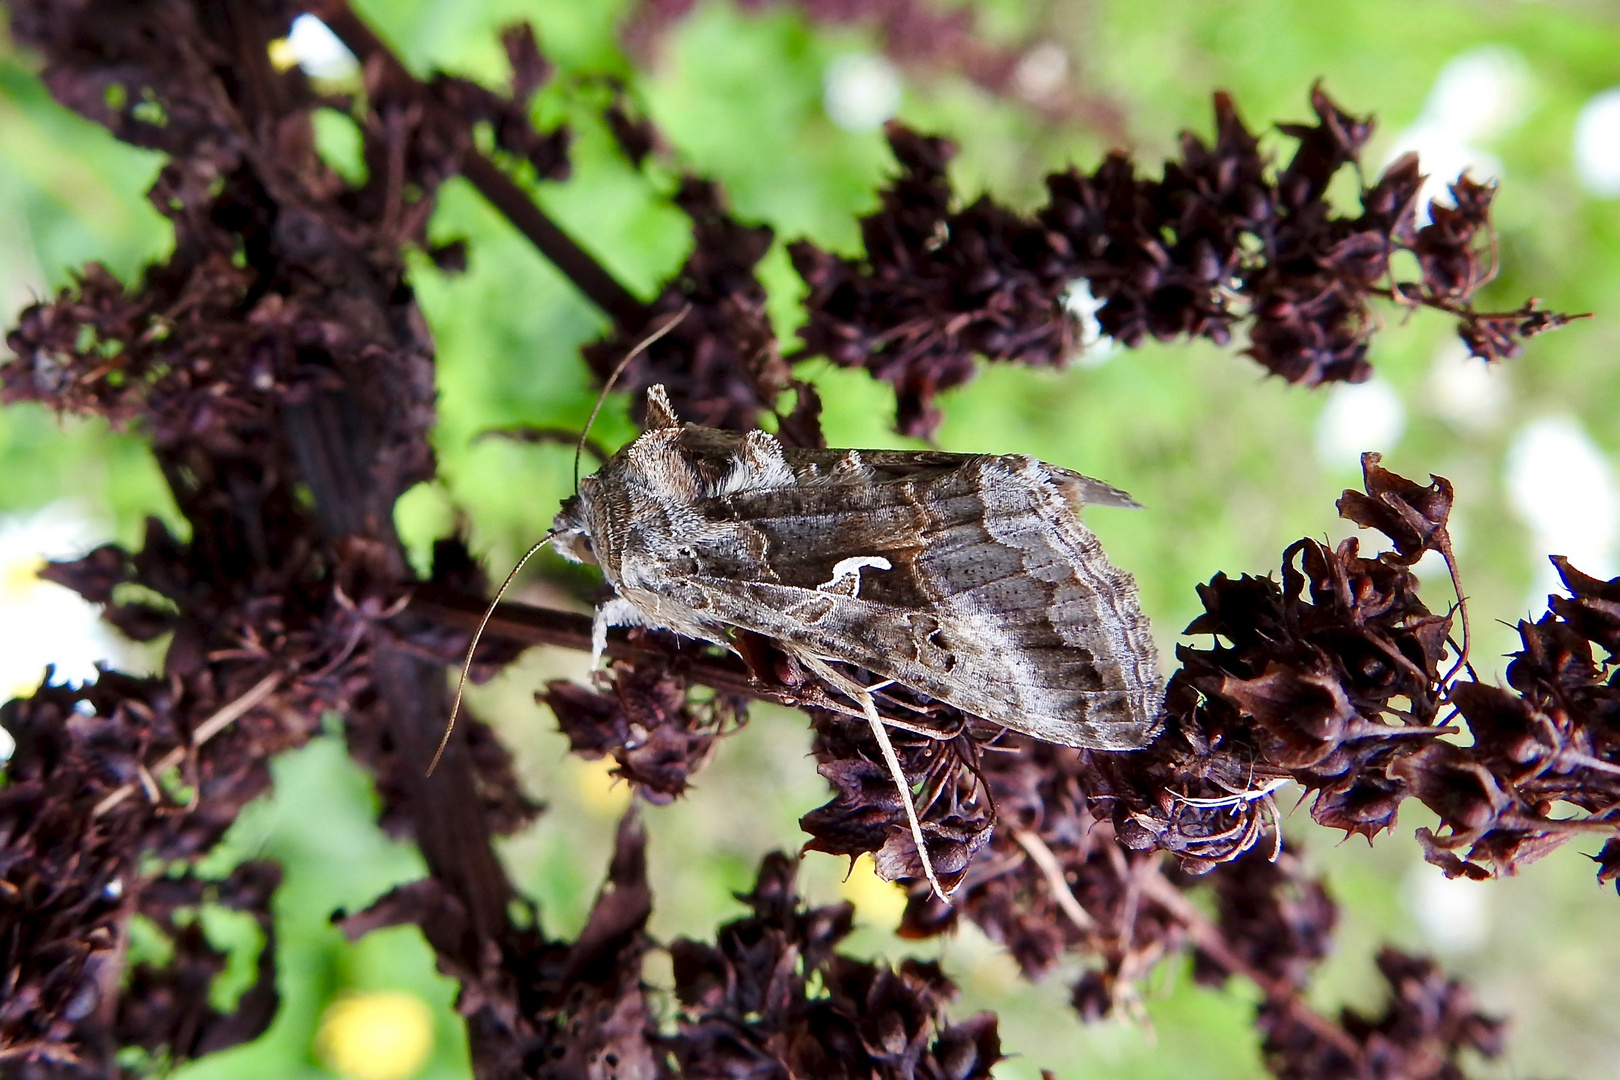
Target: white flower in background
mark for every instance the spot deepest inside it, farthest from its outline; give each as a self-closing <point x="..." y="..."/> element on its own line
<point x="1358" y="417"/>
<point x="1465" y="391"/>
<point x="1442" y="160"/>
<point x="1482" y="92"/>
<point x="861" y="91"/>
<point x="1597" y="144"/>
<point x="1453" y="913"/>
<point x="1561" y="484"/>
<point x="1042" y="72"/>
<point x="40" y="622"/>
<point x="312" y="46"/>
<point x="1094" y="347"/>
<point x="1476" y="96"/>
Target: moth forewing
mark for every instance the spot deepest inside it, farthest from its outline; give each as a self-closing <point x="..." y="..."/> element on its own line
<point x="976" y="586"/>
<point x="967" y="578"/>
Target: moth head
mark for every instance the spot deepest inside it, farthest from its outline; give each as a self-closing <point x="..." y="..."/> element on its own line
<point x="571" y="537"/>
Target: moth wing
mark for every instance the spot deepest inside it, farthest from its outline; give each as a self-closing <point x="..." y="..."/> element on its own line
<point x="970" y="580"/>
<point x="1079" y="489"/>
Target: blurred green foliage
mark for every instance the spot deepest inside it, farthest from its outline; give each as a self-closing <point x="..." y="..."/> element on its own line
<point x="1222" y="458"/>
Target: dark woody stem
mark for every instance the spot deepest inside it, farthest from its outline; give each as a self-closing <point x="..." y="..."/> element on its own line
<point x="531" y="625"/>
<point x="527" y="624"/>
<point x="587" y="275"/>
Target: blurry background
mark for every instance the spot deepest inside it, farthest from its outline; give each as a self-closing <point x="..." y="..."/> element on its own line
<point x="786" y="112"/>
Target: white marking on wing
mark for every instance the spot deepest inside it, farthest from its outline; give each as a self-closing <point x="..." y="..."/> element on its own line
<point x="851" y="567"/>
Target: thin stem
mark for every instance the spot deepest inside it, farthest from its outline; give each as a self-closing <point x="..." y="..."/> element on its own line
<point x="1208" y="937"/>
<point x="217" y="722"/>
<point x="527" y="624"/>
<point x="1450" y="557"/>
<point x="1047" y="862"/>
<point x="588" y="276"/>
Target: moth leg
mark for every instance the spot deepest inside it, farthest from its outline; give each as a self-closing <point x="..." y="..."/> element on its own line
<point x="922" y="729"/>
<point x="901" y="725"/>
<point x="858" y="694"/>
<point x="616" y="612"/>
<point x="905" y="725"/>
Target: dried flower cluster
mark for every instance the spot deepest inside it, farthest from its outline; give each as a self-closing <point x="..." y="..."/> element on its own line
<point x="1332" y="679"/>
<point x="749" y="1008"/>
<point x="80" y="828"/>
<point x="720" y="362"/>
<point x="656" y="735"/>
<point x="284" y="376"/>
<point x="1216" y="242"/>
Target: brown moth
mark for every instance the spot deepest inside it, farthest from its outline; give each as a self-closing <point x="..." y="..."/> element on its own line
<point x="968" y="578"/>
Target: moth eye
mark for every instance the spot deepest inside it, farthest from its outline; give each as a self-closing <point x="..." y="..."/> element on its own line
<point x="580" y="545"/>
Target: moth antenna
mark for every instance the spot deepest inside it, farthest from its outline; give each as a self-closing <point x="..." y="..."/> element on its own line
<point x="466" y="665"/>
<point x="613" y="377"/>
<point x="861" y="697"/>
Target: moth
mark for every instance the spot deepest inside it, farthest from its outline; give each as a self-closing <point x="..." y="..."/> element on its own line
<point x="967" y="578"/>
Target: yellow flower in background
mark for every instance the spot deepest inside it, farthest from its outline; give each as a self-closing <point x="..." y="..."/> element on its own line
<point x="602" y="793"/>
<point x="375" y="1035"/>
<point x="876" y="901"/>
